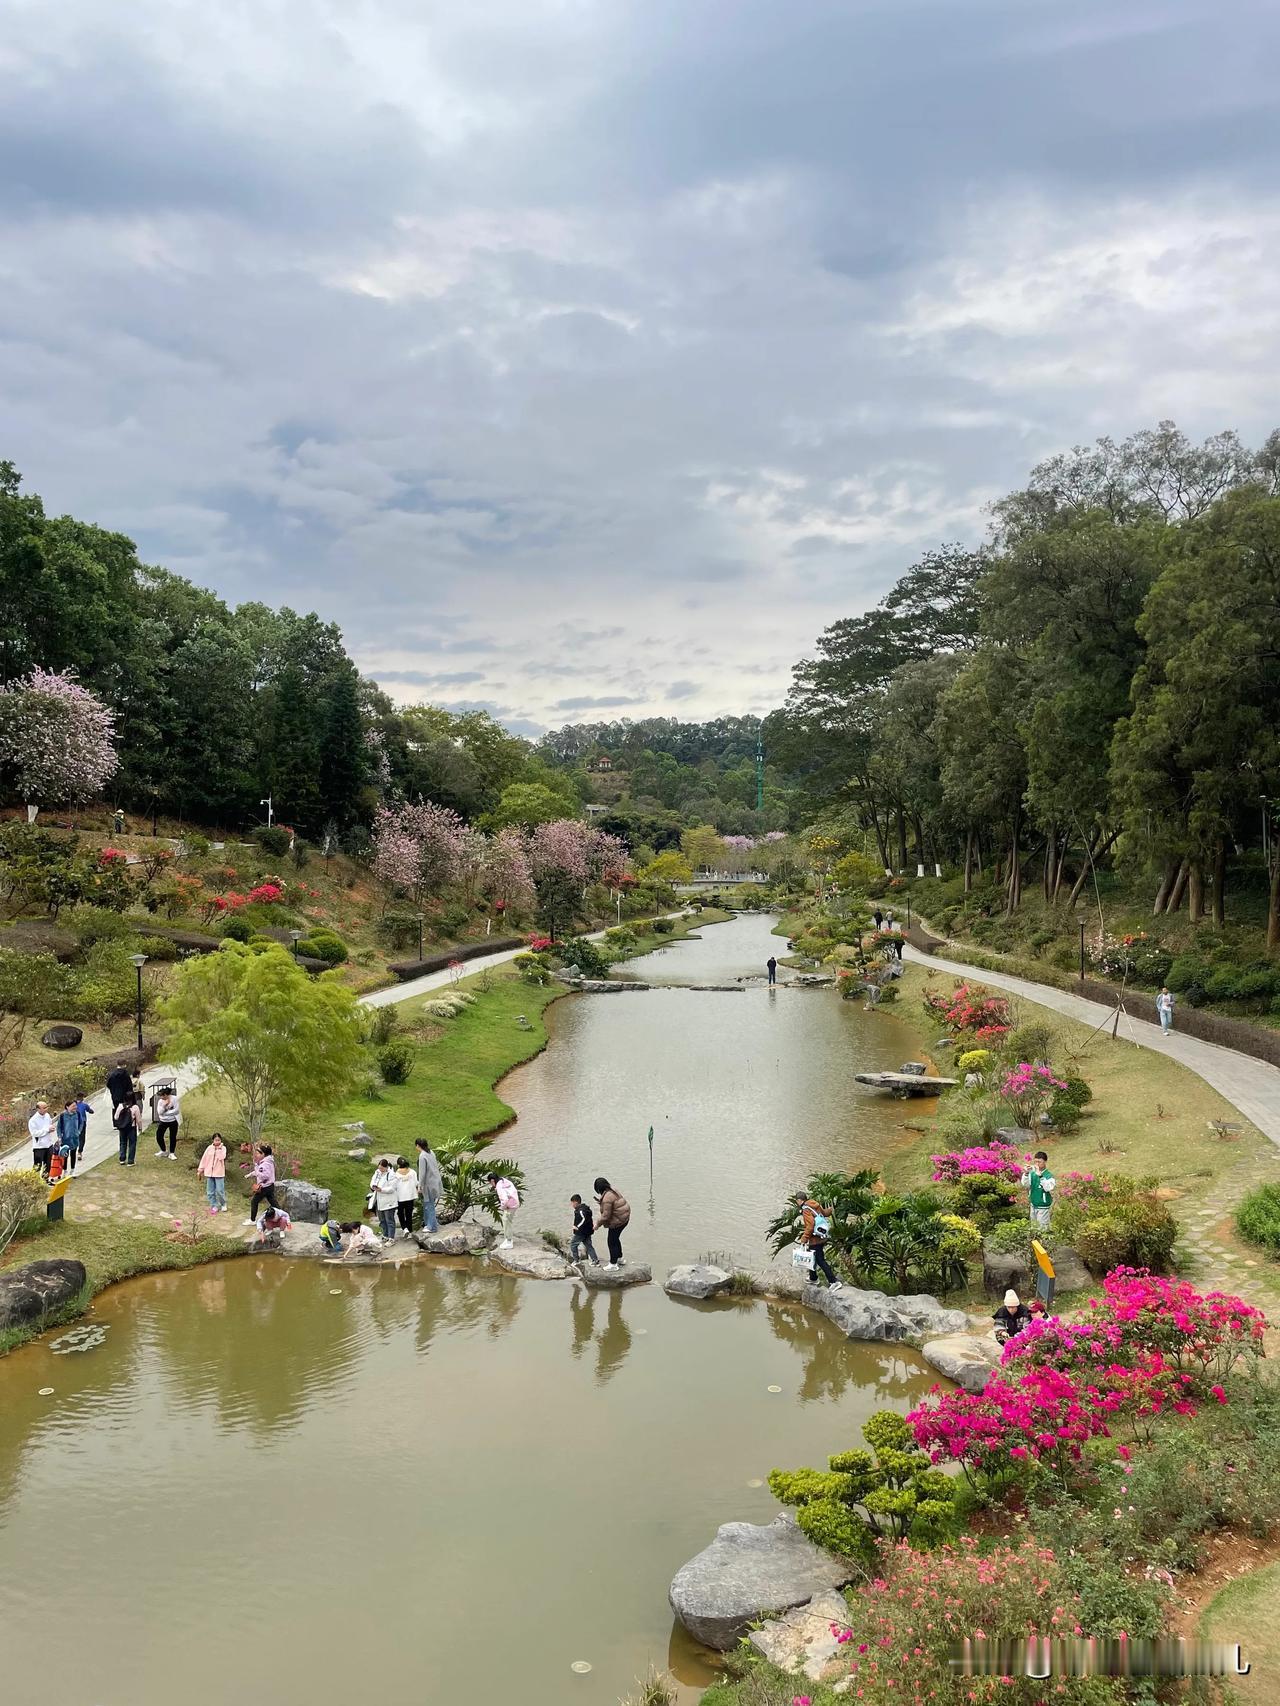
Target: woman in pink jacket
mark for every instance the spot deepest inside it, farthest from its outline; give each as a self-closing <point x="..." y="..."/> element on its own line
<point x="212" y="1169"/>
<point x="264" y="1182"/>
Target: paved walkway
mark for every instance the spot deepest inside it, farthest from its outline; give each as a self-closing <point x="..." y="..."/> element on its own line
<point x="1252" y="1086"/>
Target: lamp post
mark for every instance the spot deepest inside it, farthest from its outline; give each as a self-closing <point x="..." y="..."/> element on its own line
<point x="270" y="809"/>
<point x="139" y="960"/>
<point x="1080" y="919"/>
<point x="297" y="937"/>
<point x="420" y="953"/>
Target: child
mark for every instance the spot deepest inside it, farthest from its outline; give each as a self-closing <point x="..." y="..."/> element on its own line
<point x="331" y="1237"/>
<point x="508" y="1202"/>
<point x="583" y="1226"/>
<point x="273" y="1220"/>
<point x="1040" y="1184"/>
<point x="362" y="1241"/>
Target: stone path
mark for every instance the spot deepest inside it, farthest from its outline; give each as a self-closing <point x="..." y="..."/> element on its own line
<point x="1252" y="1086"/>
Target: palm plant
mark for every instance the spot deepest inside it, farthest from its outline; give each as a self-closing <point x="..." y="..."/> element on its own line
<point x="464" y="1178"/>
<point x="845" y="1196"/>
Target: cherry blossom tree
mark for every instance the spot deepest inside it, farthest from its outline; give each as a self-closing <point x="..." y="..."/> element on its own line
<point x="506" y="877"/>
<point x="419" y="847"/>
<point x="57" y="742"/>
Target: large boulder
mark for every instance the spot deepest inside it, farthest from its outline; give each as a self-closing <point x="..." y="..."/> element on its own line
<point x="1001" y="1271"/>
<point x="531" y="1258"/>
<point x="614" y="1279"/>
<point x="28" y="1295"/>
<point x="461" y="1238"/>
<point x="696" y="1280"/>
<point x="63" y="1036"/>
<point x="302" y="1201"/>
<point x="749" y="1572"/>
<point x="872" y="1315"/>
<point x="801" y="1641"/>
<point x="1071" y="1273"/>
<point x="924" y="1317"/>
<point x="964" y="1358"/>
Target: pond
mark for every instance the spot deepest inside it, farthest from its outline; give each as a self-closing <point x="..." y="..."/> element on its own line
<point x="434" y="1482"/>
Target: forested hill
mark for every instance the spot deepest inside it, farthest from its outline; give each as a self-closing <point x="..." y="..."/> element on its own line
<point x="1100" y="677"/>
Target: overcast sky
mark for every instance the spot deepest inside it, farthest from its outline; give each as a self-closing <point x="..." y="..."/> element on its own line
<point x="584" y="358"/>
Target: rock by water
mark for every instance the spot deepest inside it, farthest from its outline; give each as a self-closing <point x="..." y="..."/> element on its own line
<point x="28" y="1294"/>
<point x="460" y="1238"/>
<point x="747" y="1572"/>
<point x="303" y="1201"/>
<point x="532" y="1259"/>
<point x="964" y="1358"/>
<point x="614" y="1279"/>
<point x="696" y="1280"/>
<point x="801" y="1641"/>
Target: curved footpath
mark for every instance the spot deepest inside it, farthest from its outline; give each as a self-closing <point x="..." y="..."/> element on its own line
<point x="1252" y="1086"/>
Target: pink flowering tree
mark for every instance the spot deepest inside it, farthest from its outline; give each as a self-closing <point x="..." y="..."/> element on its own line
<point x="419" y="847"/>
<point x="57" y="742"/>
<point x="506" y="880"/>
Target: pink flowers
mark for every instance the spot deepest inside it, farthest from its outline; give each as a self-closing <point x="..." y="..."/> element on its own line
<point x="994" y="1160"/>
<point x="966" y="1009"/>
<point x="267" y="893"/>
<point x="109" y="856"/>
<point x="56" y="739"/>
<point x="1030" y="1089"/>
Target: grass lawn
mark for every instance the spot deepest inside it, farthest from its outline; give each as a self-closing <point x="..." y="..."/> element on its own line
<point x="1247" y="1611"/>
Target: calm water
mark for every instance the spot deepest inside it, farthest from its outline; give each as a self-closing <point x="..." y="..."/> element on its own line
<point x="435" y="1483"/>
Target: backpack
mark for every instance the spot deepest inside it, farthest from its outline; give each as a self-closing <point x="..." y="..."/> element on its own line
<point x="821" y="1224"/>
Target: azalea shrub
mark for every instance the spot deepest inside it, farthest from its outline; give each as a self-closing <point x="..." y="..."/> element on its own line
<point x="969" y="1010"/>
<point x="1029" y="1089"/>
<point x="1149" y="1348"/>
<point x="1000" y="1162"/>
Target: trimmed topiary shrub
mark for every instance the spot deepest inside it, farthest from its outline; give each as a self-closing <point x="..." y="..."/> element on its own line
<point x="324" y="945"/>
<point x="396" y="1062"/>
<point x="272" y="839"/>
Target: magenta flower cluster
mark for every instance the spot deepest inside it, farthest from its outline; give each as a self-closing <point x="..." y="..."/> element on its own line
<point x="999" y="1161"/>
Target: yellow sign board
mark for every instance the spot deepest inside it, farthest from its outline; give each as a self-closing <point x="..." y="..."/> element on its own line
<point x="60" y="1189"/>
<point x="1043" y="1258"/>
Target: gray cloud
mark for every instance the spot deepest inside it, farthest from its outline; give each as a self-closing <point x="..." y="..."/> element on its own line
<point x="523" y="339"/>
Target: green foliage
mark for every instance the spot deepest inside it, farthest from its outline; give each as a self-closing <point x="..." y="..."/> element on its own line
<point x="90" y="924"/>
<point x="662" y="926"/>
<point x="37" y="986"/>
<point x="397" y="929"/>
<point x="583" y="955"/>
<point x="381" y="1024"/>
<point x="259" y="1024"/>
<point x="1029" y="1042"/>
<point x="465" y="1184"/>
<point x="237" y="928"/>
<point x="894" y="1484"/>
<point x="1138" y="1233"/>
<point x="1011" y="1237"/>
<point x="396" y="1062"/>
<point x="1258" y="1218"/>
<point x="22" y="1196"/>
<point x="272" y="840"/>
<point x="324" y="945"/>
<point x="533" y="968"/>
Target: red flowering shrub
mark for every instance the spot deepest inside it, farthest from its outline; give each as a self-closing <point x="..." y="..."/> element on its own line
<point x="1002" y="1161"/>
<point x="969" y="1009"/>
<point x="109" y="855"/>
<point x="267" y="893"/>
<point x="539" y="944"/>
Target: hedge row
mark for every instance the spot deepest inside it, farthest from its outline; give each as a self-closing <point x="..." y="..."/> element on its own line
<point x="407" y="969"/>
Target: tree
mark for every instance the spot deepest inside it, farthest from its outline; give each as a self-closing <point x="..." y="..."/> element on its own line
<point x="418" y="848"/>
<point x="703" y="846"/>
<point x="256" y="1022"/>
<point x="343" y="752"/>
<point x="526" y="804"/>
<point x="56" y="745"/>
<point x="668" y="868"/>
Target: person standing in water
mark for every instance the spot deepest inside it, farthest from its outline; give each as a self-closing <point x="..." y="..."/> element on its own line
<point x="771" y="966"/>
<point x="613" y="1219"/>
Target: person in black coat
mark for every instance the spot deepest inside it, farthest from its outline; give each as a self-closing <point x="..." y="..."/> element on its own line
<point x="120" y="1085"/>
<point x="1011" y="1317"/>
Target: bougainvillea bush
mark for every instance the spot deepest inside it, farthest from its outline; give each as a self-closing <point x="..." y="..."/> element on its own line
<point x="997" y="1161"/>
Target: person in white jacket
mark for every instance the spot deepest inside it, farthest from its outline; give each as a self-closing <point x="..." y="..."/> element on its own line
<point x="508" y="1202"/>
<point x="385" y="1194"/>
<point x="406" y="1195"/>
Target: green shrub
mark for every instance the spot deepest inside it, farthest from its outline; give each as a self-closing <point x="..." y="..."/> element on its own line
<point x="985" y="1202"/>
<point x="1029" y="1042"/>
<point x="300" y="854"/>
<point x="970" y="1117"/>
<point x="532" y="968"/>
<point x="160" y="948"/>
<point x="583" y="956"/>
<point x="1258" y="1218"/>
<point x="381" y="1025"/>
<point x="396" y="1062"/>
<point x="397" y="929"/>
<point x="324" y="945"/>
<point x="1010" y="1237"/>
<point x="196" y="846"/>
<point x="237" y="929"/>
<point x="272" y="839"/>
<point x="1138" y="1233"/>
<point x="663" y="926"/>
<point x="90" y="924"/>
<point x="37" y="986"/>
<point x="22" y="1196"/>
<point x="1188" y="976"/>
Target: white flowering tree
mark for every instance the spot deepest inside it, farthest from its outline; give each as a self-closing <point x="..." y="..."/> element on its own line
<point x="57" y="743"/>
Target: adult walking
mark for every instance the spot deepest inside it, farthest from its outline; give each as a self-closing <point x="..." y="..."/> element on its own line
<point x="83" y="1110"/>
<point x="508" y="1202"/>
<point x="212" y="1168"/>
<point x="264" y="1182"/>
<point x="168" y="1118"/>
<point x="430" y="1184"/>
<point x="384" y="1196"/>
<point x="771" y="966"/>
<point x="406" y="1195"/>
<point x="126" y="1117"/>
<point x="120" y="1084"/>
<point x="1164" y="1007"/>
<point x="69" y="1134"/>
<point x="815" y="1225"/>
<point x="613" y="1218"/>
<point x="43" y="1135"/>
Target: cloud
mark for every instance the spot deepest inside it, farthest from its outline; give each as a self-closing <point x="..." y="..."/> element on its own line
<point x="524" y="339"/>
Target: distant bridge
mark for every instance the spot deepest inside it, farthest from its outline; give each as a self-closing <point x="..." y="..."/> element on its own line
<point x="720" y="880"/>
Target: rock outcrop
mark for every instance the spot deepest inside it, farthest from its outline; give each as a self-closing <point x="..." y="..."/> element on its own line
<point x="461" y="1238"/>
<point x="696" y="1280"/>
<point x="801" y="1640"/>
<point x="614" y="1279"/>
<point x="964" y="1358"/>
<point x="749" y="1572"/>
<point x="28" y="1295"/>
<point x="532" y="1259"/>
<point x="302" y="1201"/>
<point x="864" y="1314"/>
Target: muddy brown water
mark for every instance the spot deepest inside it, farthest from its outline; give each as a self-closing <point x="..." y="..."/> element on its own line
<point x="434" y="1484"/>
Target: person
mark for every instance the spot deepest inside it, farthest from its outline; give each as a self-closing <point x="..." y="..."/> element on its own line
<point x="331" y="1237"/>
<point x="120" y="1084"/>
<point x="83" y="1110"/>
<point x="69" y="1134"/>
<point x="384" y="1196"/>
<point x="1164" y="1007"/>
<point x="1040" y="1184"/>
<point x="1011" y="1317"/>
<point x="264" y="1182"/>
<point x="272" y="1220"/>
<point x="212" y="1168"/>
<point x="771" y="966"/>
<point x="43" y="1137"/>
<point x="584" y="1225"/>
<point x="117" y="822"/>
<point x="508" y="1202"/>
<point x="878" y="917"/>
<point x="815" y="1225"/>
<point x="406" y="1195"/>
<point x="126" y="1117"/>
<point x="613" y="1219"/>
<point x="361" y="1239"/>
<point x="168" y="1119"/>
<point x="430" y="1184"/>
<point x="897" y="943"/>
